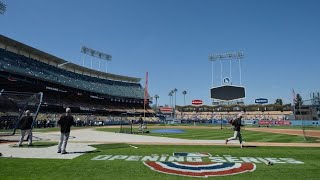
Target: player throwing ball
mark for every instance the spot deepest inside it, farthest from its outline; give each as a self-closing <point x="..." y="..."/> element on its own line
<point x="236" y="123"/>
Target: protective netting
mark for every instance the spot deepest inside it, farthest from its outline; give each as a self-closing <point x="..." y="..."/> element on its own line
<point x="13" y="106"/>
<point x="126" y="124"/>
<point x="309" y="113"/>
<point x="310" y="130"/>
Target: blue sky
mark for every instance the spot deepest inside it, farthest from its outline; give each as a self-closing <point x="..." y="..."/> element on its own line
<point x="171" y="39"/>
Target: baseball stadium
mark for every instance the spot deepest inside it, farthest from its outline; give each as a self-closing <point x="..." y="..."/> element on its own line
<point x="60" y="119"/>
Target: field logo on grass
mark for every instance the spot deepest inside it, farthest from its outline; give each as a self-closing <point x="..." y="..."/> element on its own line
<point x="200" y="169"/>
<point x="197" y="164"/>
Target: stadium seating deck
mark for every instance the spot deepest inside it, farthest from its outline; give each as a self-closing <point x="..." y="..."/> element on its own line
<point x="270" y="115"/>
<point x="15" y="63"/>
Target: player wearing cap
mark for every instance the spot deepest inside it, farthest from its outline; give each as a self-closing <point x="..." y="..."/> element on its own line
<point x="65" y="122"/>
<point x="237" y="128"/>
<point x="26" y="127"/>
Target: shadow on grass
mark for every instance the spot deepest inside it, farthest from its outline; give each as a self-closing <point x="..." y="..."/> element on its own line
<point x="249" y="146"/>
<point x="82" y="152"/>
<point x="35" y="145"/>
<point x="111" y="146"/>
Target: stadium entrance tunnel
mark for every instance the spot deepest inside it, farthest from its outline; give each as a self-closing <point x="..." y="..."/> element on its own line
<point x="168" y="131"/>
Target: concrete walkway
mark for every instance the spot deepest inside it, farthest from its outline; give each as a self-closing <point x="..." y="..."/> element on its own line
<point x="81" y="139"/>
<point x="74" y="150"/>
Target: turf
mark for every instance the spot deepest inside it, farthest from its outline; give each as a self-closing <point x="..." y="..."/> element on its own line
<point x="218" y="134"/>
<point x="85" y="168"/>
<point x="248" y="125"/>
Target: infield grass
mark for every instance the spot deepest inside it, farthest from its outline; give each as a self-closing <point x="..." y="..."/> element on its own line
<point x="220" y="134"/>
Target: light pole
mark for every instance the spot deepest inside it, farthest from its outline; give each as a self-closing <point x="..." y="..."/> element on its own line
<point x="184" y="97"/>
<point x="170" y="95"/>
<point x="172" y="92"/>
<point x="226" y="56"/>
<point x="3" y="8"/>
<point x="219" y="110"/>
<point x="96" y="54"/>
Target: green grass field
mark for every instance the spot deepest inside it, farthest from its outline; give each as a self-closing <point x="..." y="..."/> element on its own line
<point x="85" y="168"/>
<point x="218" y="134"/>
<point x="254" y="126"/>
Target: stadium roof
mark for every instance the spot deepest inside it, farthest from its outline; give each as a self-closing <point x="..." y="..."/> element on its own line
<point x="20" y="46"/>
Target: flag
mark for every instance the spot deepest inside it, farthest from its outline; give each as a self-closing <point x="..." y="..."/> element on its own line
<point x="146" y="90"/>
<point x="145" y="95"/>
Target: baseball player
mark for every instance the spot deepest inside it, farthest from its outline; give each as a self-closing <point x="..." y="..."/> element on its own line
<point x="237" y="127"/>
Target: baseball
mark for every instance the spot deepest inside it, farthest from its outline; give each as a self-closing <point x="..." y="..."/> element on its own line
<point x="269" y="163"/>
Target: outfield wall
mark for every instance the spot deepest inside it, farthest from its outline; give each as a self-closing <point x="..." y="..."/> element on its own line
<point x="304" y="123"/>
<point x="257" y="122"/>
<point x="282" y="122"/>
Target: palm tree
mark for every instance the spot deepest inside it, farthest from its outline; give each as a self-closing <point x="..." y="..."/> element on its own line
<point x="175" y="101"/>
<point x="184" y="96"/>
<point x="170" y="95"/>
<point x="175" y="97"/>
<point x="156" y="97"/>
<point x="171" y="99"/>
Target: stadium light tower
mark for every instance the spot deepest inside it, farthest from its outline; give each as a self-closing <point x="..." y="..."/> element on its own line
<point x="226" y="56"/>
<point x="3" y="8"/>
<point x="97" y="54"/>
<point x="228" y="91"/>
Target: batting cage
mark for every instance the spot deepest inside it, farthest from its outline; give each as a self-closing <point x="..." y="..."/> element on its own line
<point x="307" y="113"/>
<point x="125" y="124"/>
<point x="13" y="106"/>
<point x="132" y="123"/>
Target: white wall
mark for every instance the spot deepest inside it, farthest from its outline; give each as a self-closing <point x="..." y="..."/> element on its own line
<point x="78" y="71"/>
<point x="24" y="53"/>
<point x="12" y="49"/>
<point x="34" y="56"/>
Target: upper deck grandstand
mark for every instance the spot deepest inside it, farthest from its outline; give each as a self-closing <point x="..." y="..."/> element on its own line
<point x="24" y="68"/>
